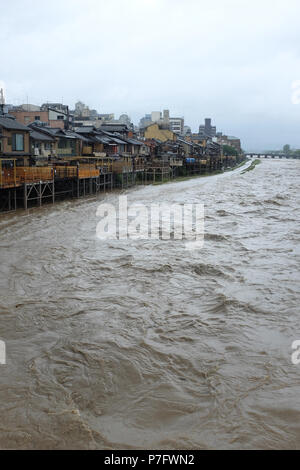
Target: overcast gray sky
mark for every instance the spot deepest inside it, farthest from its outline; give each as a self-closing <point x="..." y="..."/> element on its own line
<point x="231" y="60"/>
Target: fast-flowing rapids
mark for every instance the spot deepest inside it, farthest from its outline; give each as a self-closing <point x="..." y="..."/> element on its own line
<point x="145" y="344"/>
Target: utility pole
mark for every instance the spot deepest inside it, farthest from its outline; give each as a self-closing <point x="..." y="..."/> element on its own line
<point x="2" y="101"/>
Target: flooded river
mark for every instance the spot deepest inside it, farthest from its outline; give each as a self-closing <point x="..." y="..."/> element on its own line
<point x="145" y="344"/>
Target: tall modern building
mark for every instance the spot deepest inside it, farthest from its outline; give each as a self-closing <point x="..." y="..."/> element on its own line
<point x="166" y="116"/>
<point x="125" y="119"/>
<point x="177" y="125"/>
<point x="155" y="116"/>
<point x="187" y="130"/>
<point x="207" y="130"/>
<point x="144" y="121"/>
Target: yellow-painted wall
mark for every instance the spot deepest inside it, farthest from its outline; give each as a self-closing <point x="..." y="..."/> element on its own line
<point x="154" y="132"/>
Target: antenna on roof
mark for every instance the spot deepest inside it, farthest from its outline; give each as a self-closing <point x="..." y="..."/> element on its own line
<point x="2" y="101"/>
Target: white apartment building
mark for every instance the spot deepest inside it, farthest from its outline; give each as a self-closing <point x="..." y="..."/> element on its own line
<point x="177" y="125"/>
<point x="155" y="116"/>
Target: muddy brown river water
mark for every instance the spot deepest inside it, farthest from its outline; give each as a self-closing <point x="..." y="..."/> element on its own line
<point x="145" y="344"/>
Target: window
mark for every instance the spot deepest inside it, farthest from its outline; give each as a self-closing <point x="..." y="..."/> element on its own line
<point x="37" y="118"/>
<point x="60" y="118"/>
<point x="62" y="143"/>
<point x="18" y="142"/>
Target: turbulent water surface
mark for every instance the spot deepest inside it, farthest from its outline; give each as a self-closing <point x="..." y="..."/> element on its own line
<point x="145" y="344"/>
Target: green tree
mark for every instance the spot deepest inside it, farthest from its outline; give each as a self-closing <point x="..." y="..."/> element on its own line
<point x="287" y="149"/>
<point x="229" y="151"/>
<point x="296" y="153"/>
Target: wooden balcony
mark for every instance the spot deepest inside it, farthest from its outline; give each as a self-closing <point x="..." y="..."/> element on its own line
<point x="9" y="179"/>
<point x="88" y="172"/>
<point x="156" y="163"/>
<point x="87" y="150"/>
<point x="176" y="162"/>
<point x="122" y="167"/>
<point x="13" y="178"/>
<point x="65" y="152"/>
<point x="34" y="174"/>
<point x="140" y="166"/>
<point x="104" y="167"/>
<point x="61" y="172"/>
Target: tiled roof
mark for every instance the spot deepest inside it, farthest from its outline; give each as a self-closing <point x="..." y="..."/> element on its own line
<point x="84" y="129"/>
<point x="11" y="123"/>
<point x="35" y="135"/>
<point x="113" y="127"/>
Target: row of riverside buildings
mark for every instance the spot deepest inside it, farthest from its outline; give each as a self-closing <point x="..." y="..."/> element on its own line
<point x="48" y="153"/>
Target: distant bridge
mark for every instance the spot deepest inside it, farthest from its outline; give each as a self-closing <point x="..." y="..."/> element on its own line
<point x="269" y="155"/>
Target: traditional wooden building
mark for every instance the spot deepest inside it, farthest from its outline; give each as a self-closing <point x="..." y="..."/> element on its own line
<point x="42" y="146"/>
<point x="15" y="141"/>
<point x="65" y="143"/>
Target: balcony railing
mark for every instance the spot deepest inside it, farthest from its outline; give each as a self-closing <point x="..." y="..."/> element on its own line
<point x="65" y="152"/>
<point x="87" y="150"/>
<point x="176" y="162"/>
<point x="34" y="174"/>
<point x="88" y="172"/>
<point x="122" y="167"/>
<point x="8" y="178"/>
<point x="65" y="171"/>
